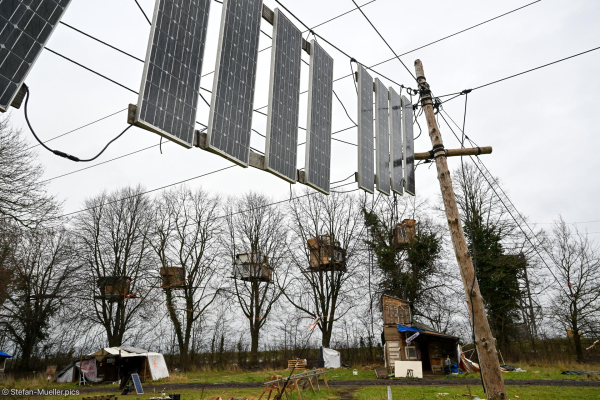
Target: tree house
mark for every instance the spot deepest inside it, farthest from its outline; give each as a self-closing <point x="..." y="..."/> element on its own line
<point x="114" y="288"/>
<point x="173" y="278"/>
<point x="404" y="234"/>
<point x="326" y="254"/>
<point x="252" y="267"/>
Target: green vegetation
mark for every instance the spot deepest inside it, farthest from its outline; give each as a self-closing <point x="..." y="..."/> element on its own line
<point x="449" y="392"/>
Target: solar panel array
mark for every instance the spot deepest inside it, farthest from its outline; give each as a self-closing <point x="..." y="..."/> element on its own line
<point x="284" y="99"/>
<point x="382" y="137"/>
<point x="25" y="27"/>
<point x="366" y="170"/>
<point x="168" y="97"/>
<point x="230" y="119"/>
<point x="409" y="150"/>
<point x="396" y="133"/>
<point x="318" y="129"/>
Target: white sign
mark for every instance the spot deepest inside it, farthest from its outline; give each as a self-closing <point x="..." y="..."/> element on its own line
<point x="413" y="337"/>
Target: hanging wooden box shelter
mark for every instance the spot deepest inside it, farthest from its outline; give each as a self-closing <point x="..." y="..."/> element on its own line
<point x="114" y="288"/>
<point x="326" y="254"/>
<point x="404" y="233"/>
<point x="252" y="267"/>
<point x="173" y="278"/>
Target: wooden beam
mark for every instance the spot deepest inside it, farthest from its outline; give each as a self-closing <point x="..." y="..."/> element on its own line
<point x="472" y="151"/>
<point x="486" y="344"/>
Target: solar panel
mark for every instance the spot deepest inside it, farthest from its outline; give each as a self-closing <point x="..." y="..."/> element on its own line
<point x="284" y="99"/>
<point x="409" y="149"/>
<point x="171" y="80"/>
<point x="137" y="383"/>
<point x="318" y="128"/>
<point x="25" y="27"/>
<point x="230" y="119"/>
<point x="366" y="170"/>
<point x="396" y="133"/>
<point x="382" y="137"/>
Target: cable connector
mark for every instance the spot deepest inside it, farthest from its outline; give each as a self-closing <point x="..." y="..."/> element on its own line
<point x="466" y="91"/>
<point x="65" y="155"/>
<point x="353" y="60"/>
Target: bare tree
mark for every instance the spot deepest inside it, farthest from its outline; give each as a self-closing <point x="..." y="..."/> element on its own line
<point x="42" y="270"/>
<point x="186" y="234"/>
<point x="325" y="295"/>
<point x="259" y="230"/>
<point x="23" y="196"/>
<point x="113" y="240"/>
<point x="576" y="299"/>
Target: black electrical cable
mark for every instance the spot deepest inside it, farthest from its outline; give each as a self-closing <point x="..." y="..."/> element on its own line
<point x="142" y="10"/>
<point x="91" y="70"/>
<point x="331" y="44"/>
<point x="76" y="129"/>
<point x="344" y="107"/>
<point x="524" y="72"/>
<point x="58" y="152"/>
<point x="385" y="41"/>
<point x="101" y="41"/>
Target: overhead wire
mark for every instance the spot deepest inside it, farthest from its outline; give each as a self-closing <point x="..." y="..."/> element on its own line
<point x="385" y="41"/>
<point x="521" y="73"/>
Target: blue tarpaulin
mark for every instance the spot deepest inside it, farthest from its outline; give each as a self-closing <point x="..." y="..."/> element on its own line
<point x="3" y="354"/>
<point x="402" y="328"/>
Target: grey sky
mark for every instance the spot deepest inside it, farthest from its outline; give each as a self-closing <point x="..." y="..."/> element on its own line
<point x="541" y="125"/>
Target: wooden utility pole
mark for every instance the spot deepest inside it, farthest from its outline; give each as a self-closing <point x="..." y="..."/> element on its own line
<point x="486" y="344"/>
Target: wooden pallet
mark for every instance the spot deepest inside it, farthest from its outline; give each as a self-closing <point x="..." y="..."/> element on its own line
<point x="301" y="366"/>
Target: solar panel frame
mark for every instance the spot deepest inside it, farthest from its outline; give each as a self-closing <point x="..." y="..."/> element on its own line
<point x="318" y="128"/>
<point x="229" y="107"/>
<point x="168" y="64"/>
<point x="409" y="148"/>
<point x="366" y="162"/>
<point x="396" y="141"/>
<point x="281" y="143"/>
<point x="18" y="30"/>
<point x="382" y="138"/>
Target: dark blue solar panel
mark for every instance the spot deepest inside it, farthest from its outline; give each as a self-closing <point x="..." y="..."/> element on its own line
<point x="25" y="26"/>
<point x="318" y="130"/>
<point x="382" y="137"/>
<point x="284" y="99"/>
<point x="396" y="133"/>
<point x="137" y="383"/>
<point x="409" y="149"/>
<point x="366" y="164"/>
<point x="230" y="120"/>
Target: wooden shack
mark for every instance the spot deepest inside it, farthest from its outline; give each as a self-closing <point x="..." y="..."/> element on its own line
<point x="252" y="267"/>
<point x="326" y="254"/>
<point x="428" y="346"/>
<point x="173" y="278"/>
<point x="404" y="233"/>
<point x="114" y="288"/>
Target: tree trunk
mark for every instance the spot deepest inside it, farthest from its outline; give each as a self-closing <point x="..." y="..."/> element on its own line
<point x="577" y="340"/>
<point x="254" y="335"/>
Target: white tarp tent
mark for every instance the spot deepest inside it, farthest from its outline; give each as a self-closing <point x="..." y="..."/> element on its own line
<point x="331" y="358"/>
<point x="156" y="361"/>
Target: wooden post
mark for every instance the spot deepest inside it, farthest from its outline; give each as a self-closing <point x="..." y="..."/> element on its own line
<point x="486" y="344"/>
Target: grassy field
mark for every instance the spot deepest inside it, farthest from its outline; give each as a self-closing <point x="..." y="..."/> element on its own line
<point x="449" y="392"/>
<point x="537" y="372"/>
<point x="225" y="394"/>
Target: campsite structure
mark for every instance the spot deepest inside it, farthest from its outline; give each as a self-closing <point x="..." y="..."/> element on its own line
<point x="3" y="357"/>
<point x="111" y="363"/>
<point x="405" y="339"/>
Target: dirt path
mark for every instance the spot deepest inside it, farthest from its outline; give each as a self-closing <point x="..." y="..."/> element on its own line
<point x="348" y="387"/>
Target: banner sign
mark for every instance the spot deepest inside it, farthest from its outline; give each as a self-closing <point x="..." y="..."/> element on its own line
<point x="413" y="337"/>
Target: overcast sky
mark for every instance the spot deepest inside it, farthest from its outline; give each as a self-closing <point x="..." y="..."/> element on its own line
<point x="542" y="125"/>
